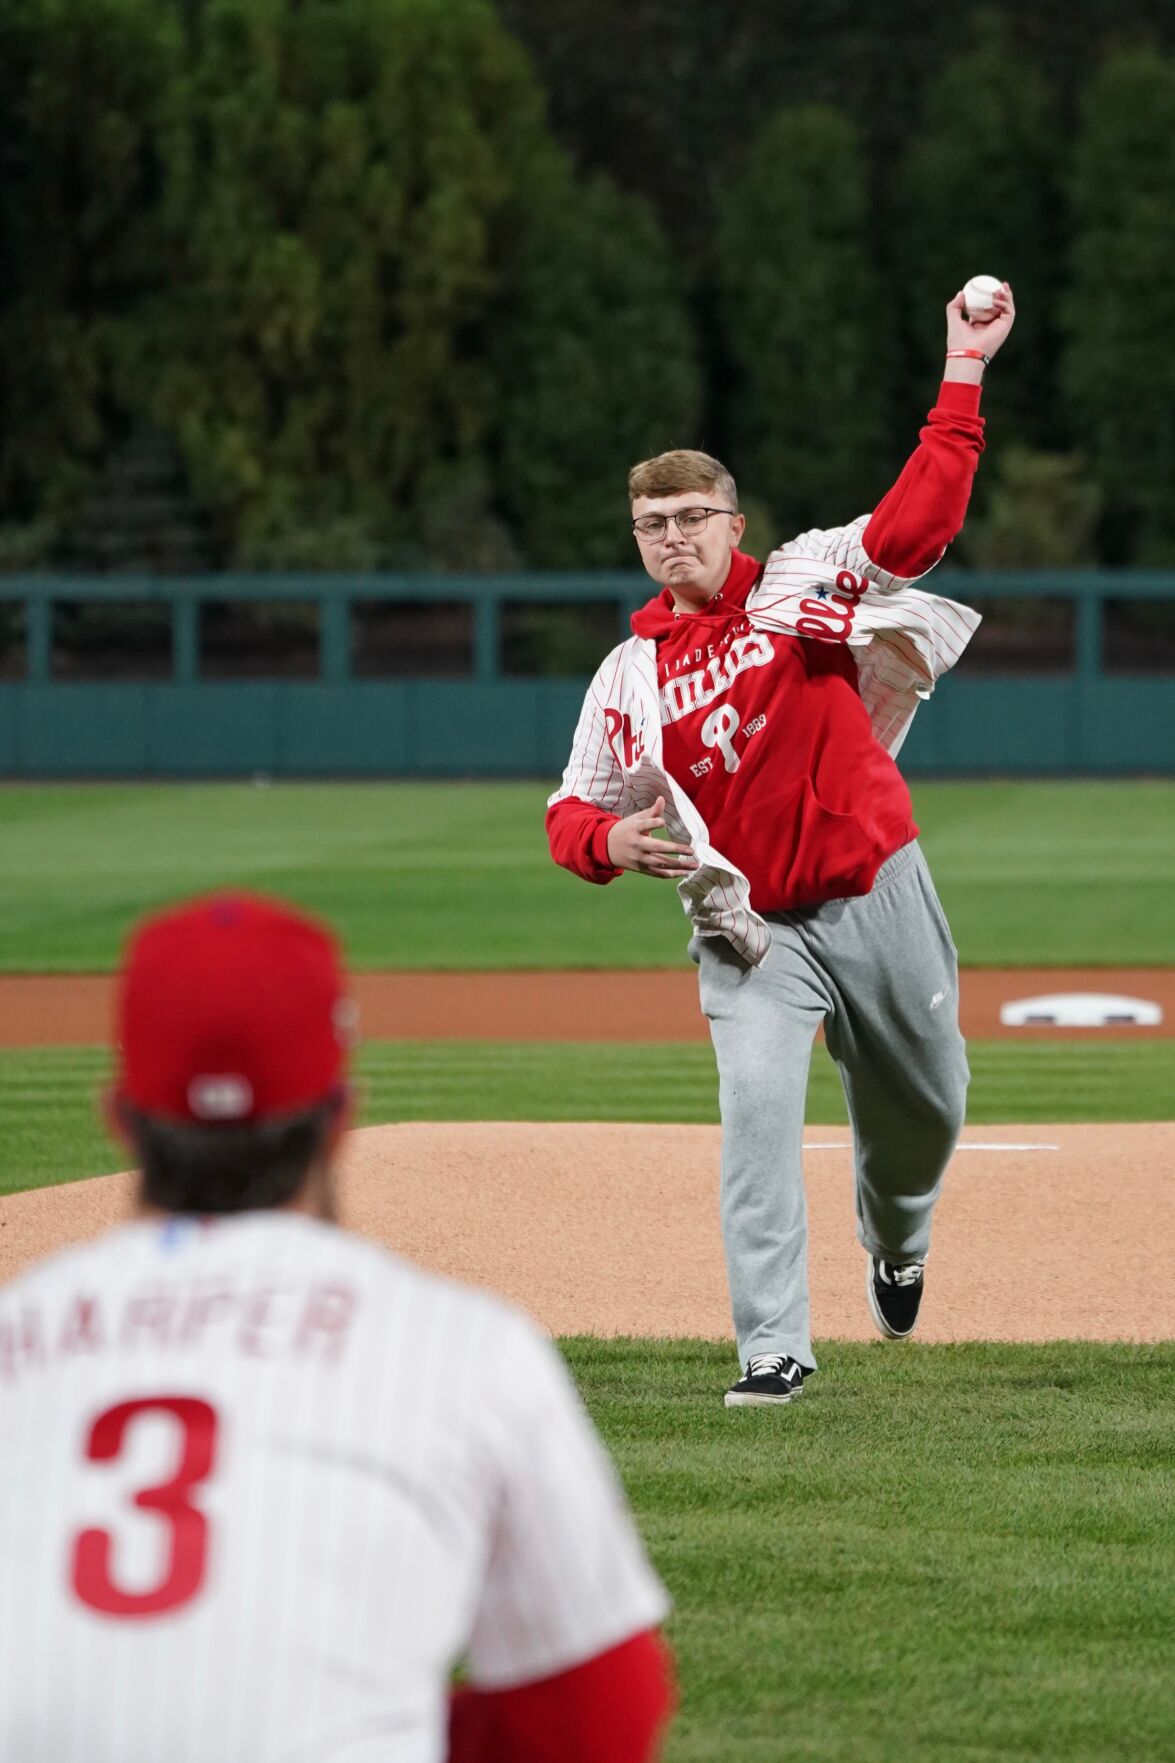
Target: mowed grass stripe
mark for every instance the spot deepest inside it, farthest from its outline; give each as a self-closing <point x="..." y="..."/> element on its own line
<point x="51" y="1130"/>
<point x="457" y="875"/>
<point x="945" y="1554"/>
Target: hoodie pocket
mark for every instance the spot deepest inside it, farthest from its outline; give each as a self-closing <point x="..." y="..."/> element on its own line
<point x="796" y="852"/>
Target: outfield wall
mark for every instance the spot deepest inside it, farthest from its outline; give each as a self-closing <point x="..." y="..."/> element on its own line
<point x="312" y="675"/>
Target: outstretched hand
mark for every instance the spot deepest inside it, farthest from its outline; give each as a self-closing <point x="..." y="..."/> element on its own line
<point x="988" y="334"/>
<point x="633" y="844"/>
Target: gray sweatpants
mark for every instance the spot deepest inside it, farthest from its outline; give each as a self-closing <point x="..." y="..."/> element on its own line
<point x="881" y="973"/>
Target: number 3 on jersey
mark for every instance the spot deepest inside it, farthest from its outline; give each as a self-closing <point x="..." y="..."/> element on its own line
<point x="92" y="1576"/>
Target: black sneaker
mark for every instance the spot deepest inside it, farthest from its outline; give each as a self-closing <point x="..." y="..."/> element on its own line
<point x="769" y="1377"/>
<point x="894" y="1294"/>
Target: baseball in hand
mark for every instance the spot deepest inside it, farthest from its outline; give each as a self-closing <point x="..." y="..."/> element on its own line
<point x="979" y="296"/>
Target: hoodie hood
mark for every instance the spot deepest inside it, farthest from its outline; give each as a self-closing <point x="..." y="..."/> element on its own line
<point x="659" y="616"/>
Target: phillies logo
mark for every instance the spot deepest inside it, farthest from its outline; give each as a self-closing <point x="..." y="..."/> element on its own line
<point x="693" y="691"/>
<point x="832" y="615"/>
<point x="626" y="743"/>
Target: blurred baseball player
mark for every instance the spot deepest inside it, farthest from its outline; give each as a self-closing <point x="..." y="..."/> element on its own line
<point x="754" y="716"/>
<point x="263" y="1484"/>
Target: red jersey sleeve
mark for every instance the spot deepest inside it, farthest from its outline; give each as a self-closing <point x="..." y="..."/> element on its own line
<point x="914" y="523"/>
<point x="610" y="1709"/>
<point x="577" y="832"/>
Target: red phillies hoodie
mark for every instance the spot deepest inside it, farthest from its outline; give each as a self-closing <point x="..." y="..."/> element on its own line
<point x="767" y="733"/>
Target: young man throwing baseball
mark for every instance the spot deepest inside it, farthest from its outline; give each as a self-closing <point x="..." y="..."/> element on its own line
<point x="263" y="1484"/>
<point x="754" y="717"/>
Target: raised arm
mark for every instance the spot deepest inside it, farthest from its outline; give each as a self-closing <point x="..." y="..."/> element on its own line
<point x="914" y="523"/>
<point x="916" y="520"/>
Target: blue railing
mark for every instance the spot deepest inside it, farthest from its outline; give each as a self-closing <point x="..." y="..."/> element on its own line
<point x="1075" y="717"/>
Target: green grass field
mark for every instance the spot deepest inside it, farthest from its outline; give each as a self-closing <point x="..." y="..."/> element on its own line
<point x="458" y="875"/>
<point x="941" y="1554"/>
<point x="52" y="1131"/>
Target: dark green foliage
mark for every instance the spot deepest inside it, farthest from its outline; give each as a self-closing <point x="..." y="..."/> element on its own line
<point x="597" y="368"/>
<point x="331" y="251"/>
<point x="87" y="90"/>
<point x="666" y="97"/>
<point x="798" y="304"/>
<point x="662" y="98"/>
<point x="331" y="254"/>
<point x="966" y="121"/>
<point x="1041" y="512"/>
<point x="336" y="203"/>
<point x="1119" y="309"/>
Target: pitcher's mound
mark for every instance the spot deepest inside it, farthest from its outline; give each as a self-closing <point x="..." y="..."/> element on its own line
<point x="1042" y="1232"/>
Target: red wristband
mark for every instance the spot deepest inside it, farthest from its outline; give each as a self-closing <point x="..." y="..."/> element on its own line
<point x="969" y="355"/>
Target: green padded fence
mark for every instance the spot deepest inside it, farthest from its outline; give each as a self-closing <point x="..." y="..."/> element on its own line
<point x="1098" y="698"/>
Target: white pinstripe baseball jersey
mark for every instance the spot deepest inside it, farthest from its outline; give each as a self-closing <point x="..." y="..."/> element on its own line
<point x="902" y="641"/>
<point x="261" y="1484"/>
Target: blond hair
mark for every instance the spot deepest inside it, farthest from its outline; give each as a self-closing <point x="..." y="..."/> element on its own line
<point x="670" y="474"/>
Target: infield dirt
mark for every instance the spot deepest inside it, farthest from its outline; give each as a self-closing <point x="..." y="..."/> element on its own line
<point x="656" y="1005"/>
<point x="1042" y="1233"/>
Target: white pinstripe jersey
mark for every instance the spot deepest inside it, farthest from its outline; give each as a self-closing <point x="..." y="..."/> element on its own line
<point x="261" y="1484"/>
<point x="901" y="639"/>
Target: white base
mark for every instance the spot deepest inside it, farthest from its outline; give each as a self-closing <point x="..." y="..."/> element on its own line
<point x="1081" y="1010"/>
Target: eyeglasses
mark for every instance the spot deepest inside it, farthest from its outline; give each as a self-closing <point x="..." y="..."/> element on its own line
<point x="648" y="527"/>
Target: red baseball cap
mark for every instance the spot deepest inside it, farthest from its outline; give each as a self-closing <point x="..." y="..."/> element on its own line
<point x="231" y="1009"/>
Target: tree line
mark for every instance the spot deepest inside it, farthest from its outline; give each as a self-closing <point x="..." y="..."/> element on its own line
<point x="409" y="283"/>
